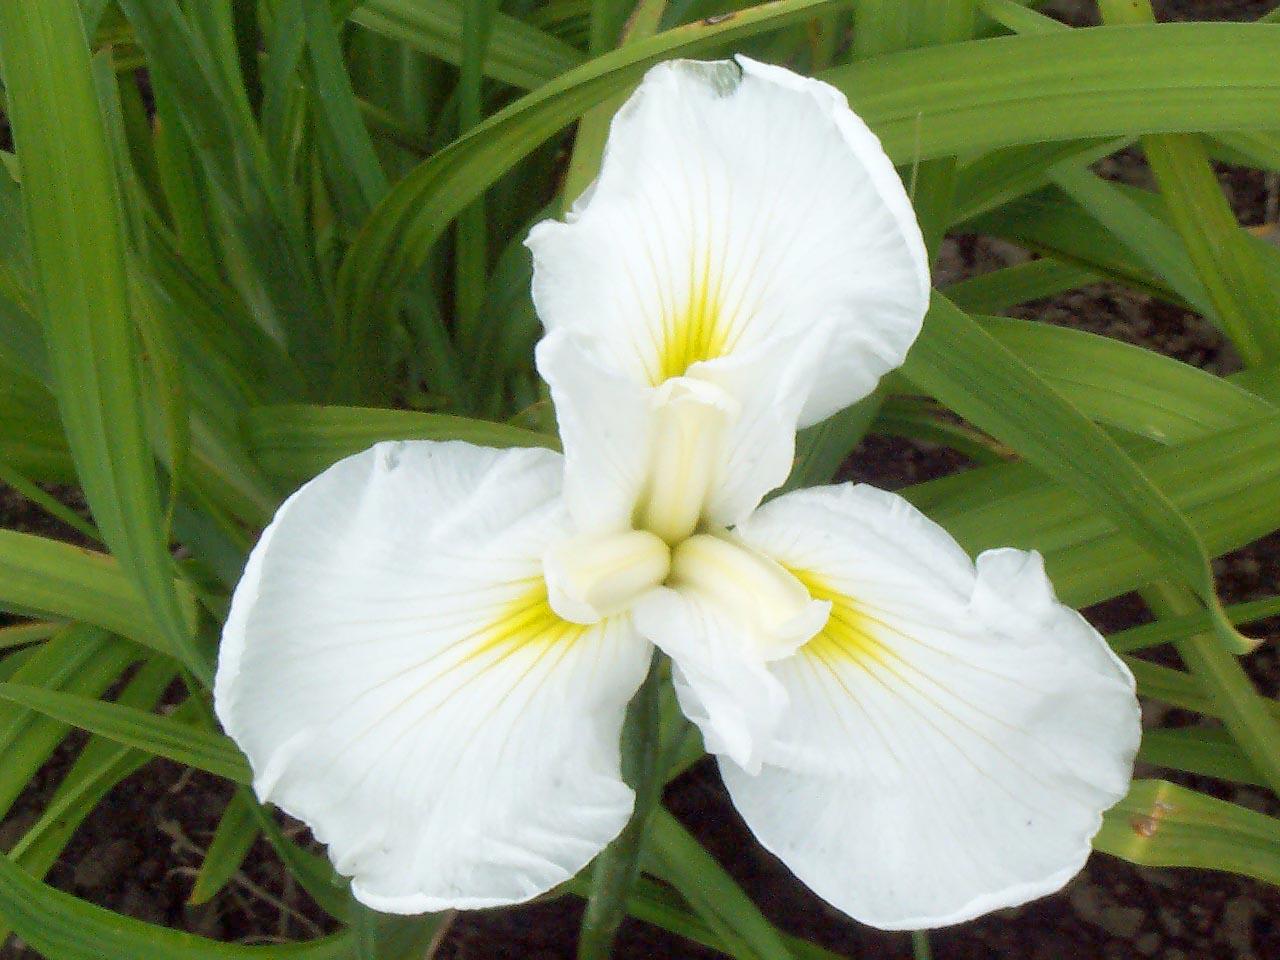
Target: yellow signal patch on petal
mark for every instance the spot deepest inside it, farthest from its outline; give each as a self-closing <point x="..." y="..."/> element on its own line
<point x="699" y="331"/>
<point x="526" y="621"/>
<point x="850" y="632"/>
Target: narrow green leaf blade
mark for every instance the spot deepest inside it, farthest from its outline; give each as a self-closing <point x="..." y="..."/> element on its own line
<point x="59" y="580"/>
<point x="64" y="927"/>
<point x="77" y="243"/>
<point x="968" y="370"/>
<point x="162" y="736"/>
<point x="1160" y="824"/>
<point x="294" y="442"/>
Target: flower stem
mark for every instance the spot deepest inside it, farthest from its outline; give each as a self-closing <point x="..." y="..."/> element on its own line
<point x="618" y="865"/>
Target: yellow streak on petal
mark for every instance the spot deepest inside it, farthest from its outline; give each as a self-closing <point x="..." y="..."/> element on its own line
<point x="527" y="620"/>
<point x="848" y="634"/>
<point x="699" y="332"/>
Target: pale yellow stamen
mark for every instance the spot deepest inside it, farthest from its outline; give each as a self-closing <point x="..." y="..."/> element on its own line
<point x="690" y="418"/>
<point x="589" y="578"/>
<point x="736" y="578"/>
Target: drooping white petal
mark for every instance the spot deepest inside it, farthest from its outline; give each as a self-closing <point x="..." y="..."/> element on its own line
<point x="727" y="614"/>
<point x="394" y="673"/>
<point x="953" y="733"/>
<point x="737" y="204"/>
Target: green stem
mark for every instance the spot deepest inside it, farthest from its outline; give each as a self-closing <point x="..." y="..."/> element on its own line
<point x="920" y="948"/>
<point x="618" y="865"/>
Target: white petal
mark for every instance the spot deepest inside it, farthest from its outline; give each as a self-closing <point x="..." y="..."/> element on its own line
<point x="738" y="204"/>
<point x="954" y="734"/>
<point x="715" y="441"/>
<point x="727" y="613"/>
<point x="395" y="676"/>
<point x="607" y="431"/>
<point x="722" y="687"/>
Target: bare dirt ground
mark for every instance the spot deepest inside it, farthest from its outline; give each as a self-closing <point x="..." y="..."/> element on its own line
<point x="138" y="851"/>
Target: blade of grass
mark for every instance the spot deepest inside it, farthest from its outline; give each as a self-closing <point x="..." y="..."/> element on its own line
<point x="1076" y="84"/>
<point x="519" y="54"/>
<point x="1200" y="750"/>
<point x="161" y="736"/>
<point x="712" y="893"/>
<point x="1000" y="289"/>
<point x="1177" y="628"/>
<point x="965" y="368"/>
<point x="235" y="835"/>
<point x="100" y="766"/>
<point x="60" y="925"/>
<point x="297" y="442"/>
<point x="78" y="247"/>
<point x="1244" y="300"/>
<point x="59" y="580"/>
<point x="471" y="239"/>
<point x="617" y="867"/>
<point x="1252" y="724"/>
<point x="1160" y="824"/>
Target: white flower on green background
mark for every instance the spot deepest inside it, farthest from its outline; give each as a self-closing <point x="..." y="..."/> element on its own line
<point x="431" y="651"/>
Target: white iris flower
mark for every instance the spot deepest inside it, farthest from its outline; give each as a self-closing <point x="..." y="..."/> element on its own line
<point x="432" y="648"/>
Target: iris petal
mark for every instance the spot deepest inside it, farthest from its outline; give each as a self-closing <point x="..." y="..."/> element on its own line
<point x="395" y="674"/>
<point x="748" y="231"/>
<point x="953" y="733"/>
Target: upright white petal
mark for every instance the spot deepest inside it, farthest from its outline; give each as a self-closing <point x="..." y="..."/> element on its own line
<point x="953" y="733"/>
<point x="398" y="681"/>
<point x="744" y="219"/>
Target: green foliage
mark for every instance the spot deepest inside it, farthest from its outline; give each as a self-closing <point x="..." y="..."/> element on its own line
<point x="303" y="235"/>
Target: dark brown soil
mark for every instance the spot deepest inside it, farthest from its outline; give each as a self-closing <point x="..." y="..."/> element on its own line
<point x="138" y="851"/>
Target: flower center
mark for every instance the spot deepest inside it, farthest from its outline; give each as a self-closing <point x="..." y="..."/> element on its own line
<point x="760" y="591"/>
<point x="592" y="577"/>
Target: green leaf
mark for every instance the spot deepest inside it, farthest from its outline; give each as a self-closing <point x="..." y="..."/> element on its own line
<point x="1227" y="484"/>
<point x="1000" y="289"/>
<point x="1246" y="304"/>
<point x="1102" y="82"/>
<point x="1177" y="628"/>
<point x="1126" y="386"/>
<point x="296" y="442"/>
<point x="712" y="893"/>
<point x="1206" y="751"/>
<point x="1051" y="223"/>
<point x="1225" y="260"/>
<point x="63" y="927"/>
<point x="996" y="178"/>
<point x="1162" y="825"/>
<point x="395" y="241"/>
<point x="964" y="367"/>
<point x="517" y="54"/>
<point x="1249" y="717"/>
<point x="162" y="736"/>
<point x="59" y="580"/>
<point x="100" y="766"/>
<point x="21" y="634"/>
<point x="357" y="180"/>
<point x="78" y="249"/>
<point x="237" y="830"/>
<point x="264" y="243"/>
<point x="81" y="661"/>
<point x="1149" y="241"/>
